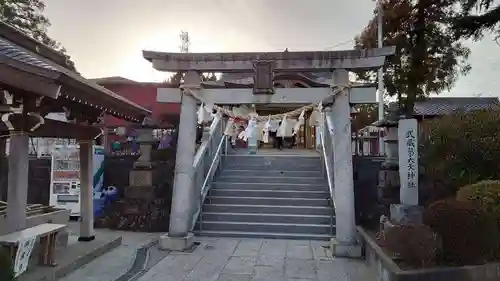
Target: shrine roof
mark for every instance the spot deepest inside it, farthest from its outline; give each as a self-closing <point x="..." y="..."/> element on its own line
<point x="118" y="80"/>
<point x="29" y="57"/>
<point x="447" y="105"/>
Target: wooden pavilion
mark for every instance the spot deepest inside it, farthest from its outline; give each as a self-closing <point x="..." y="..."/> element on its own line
<point x="36" y="80"/>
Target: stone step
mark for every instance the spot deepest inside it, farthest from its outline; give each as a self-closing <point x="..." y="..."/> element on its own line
<point x="268" y="186"/>
<point x="271" y="160"/>
<point x="225" y="177"/>
<point x="225" y="192"/>
<point x="264" y="227"/>
<point x="291" y="166"/>
<point x="267" y="209"/>
<point x="271" y="218"/>
<point x="264" y="235"/>
<point x="272" y="173"/>
<point x="269" y="201"/>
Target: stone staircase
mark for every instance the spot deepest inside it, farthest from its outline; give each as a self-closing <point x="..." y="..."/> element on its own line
<point x="269" y="196"/>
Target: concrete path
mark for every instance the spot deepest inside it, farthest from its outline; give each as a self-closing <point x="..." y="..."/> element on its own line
<point x="113" y="264"/>
<point x="226" y="259"/>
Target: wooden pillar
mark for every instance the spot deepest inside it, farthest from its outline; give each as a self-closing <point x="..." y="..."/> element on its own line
<point x="308" y="136"/>
<point x="105" y="140"/>
<point x="3" y="163"/>
<point x="17" y="192"/>
<point x="86" y="191"/>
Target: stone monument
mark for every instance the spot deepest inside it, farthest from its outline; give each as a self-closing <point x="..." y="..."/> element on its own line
<point x="388" y="177"/>
<point x="144" y="206"/>
<point x="407" y="210"/>
<point x="398" y="178"/>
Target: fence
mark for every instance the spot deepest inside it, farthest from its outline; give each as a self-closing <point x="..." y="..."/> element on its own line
<point x="365" y="146"/>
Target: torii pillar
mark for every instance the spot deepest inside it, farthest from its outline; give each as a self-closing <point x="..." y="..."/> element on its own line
<point x="179" y="236"/>
<point x="344" y="244"/>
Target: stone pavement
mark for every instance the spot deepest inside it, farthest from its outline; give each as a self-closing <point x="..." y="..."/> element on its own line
<point x="113" y="264"/>
<point x="228" y="259"/>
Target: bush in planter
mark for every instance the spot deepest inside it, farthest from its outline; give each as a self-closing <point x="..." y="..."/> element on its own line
<point x="461" y="149"/>
<point x="465" y="229"/>
<point x="416" y="245"/>
<point x="485" y="192"/>
<point x="6" y="266"/>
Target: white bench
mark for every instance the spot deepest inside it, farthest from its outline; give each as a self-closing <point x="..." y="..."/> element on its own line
<point x="47" y="232"/>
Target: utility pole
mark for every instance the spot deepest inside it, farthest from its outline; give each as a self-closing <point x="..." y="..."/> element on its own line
<point x="178" y="77"/>
<point x="380" y="15"/>
<point x="185" y="43"/>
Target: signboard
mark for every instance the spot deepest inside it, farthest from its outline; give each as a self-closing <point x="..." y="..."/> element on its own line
<point x="263" y="83"/>
<point x="23" y="255"/>
<point x="408" y="161"/>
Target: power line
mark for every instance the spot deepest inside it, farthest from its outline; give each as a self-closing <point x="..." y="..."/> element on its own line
<point x="339" y="44"/>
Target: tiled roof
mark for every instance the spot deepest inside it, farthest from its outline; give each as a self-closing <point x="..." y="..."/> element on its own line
<point x="13" y="51"/>
<point x="16" y="55"/>
<point x="444" y="106"/>
<point x="113" y="79"/>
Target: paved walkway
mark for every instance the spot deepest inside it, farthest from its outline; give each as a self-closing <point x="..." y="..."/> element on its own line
<point x="113" y="264"/>
<point x="226" y="259"/>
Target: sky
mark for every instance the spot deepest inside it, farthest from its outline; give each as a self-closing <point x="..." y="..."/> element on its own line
<point x="106" y="37"/>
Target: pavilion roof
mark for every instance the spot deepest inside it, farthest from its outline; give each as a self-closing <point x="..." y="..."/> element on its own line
<point x="436" y="106"/>
<point x="32" y="58"/>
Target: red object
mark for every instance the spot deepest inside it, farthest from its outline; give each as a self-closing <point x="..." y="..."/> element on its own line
<point x="143" y="94"/>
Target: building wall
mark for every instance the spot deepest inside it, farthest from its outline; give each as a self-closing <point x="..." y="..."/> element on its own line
<point x="144" y="94"/>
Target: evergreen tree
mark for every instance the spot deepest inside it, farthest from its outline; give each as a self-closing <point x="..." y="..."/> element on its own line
<point x="27" y="15"/>
<point x="487" y="18"/>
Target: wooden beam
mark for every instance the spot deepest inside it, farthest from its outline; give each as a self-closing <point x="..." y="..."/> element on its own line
<point x="51" y="128"/>
<point x="26" y="81"/>
<point x="357" y="95"/>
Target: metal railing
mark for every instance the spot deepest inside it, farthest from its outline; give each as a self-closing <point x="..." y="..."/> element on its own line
<point x="326" y="141"/>
<point x="206" y="164"/>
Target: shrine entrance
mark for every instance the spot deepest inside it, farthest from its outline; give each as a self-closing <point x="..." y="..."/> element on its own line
<point x="305" y="138"/>
<point x="266" y="82"/>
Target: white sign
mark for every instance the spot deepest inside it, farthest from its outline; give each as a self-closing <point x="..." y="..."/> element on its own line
<point x="408" y="161"/>
<point x="23" y="255"/>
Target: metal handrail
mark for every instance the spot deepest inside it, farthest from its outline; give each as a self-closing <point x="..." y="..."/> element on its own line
<point x="204" y="173"/>
<point x="326" y="142"/>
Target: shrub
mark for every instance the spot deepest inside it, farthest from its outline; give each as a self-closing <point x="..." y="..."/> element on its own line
<point x="6" y="266"/>
<point x="465" y="229"/>
<point x="416" y="245"/>
<point x="461" y="149"/>
<point x="485" y="192"/>
<point x="430" y="191"/>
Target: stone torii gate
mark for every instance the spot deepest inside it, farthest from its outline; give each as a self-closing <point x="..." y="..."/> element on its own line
<point x="263" y="65"/>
